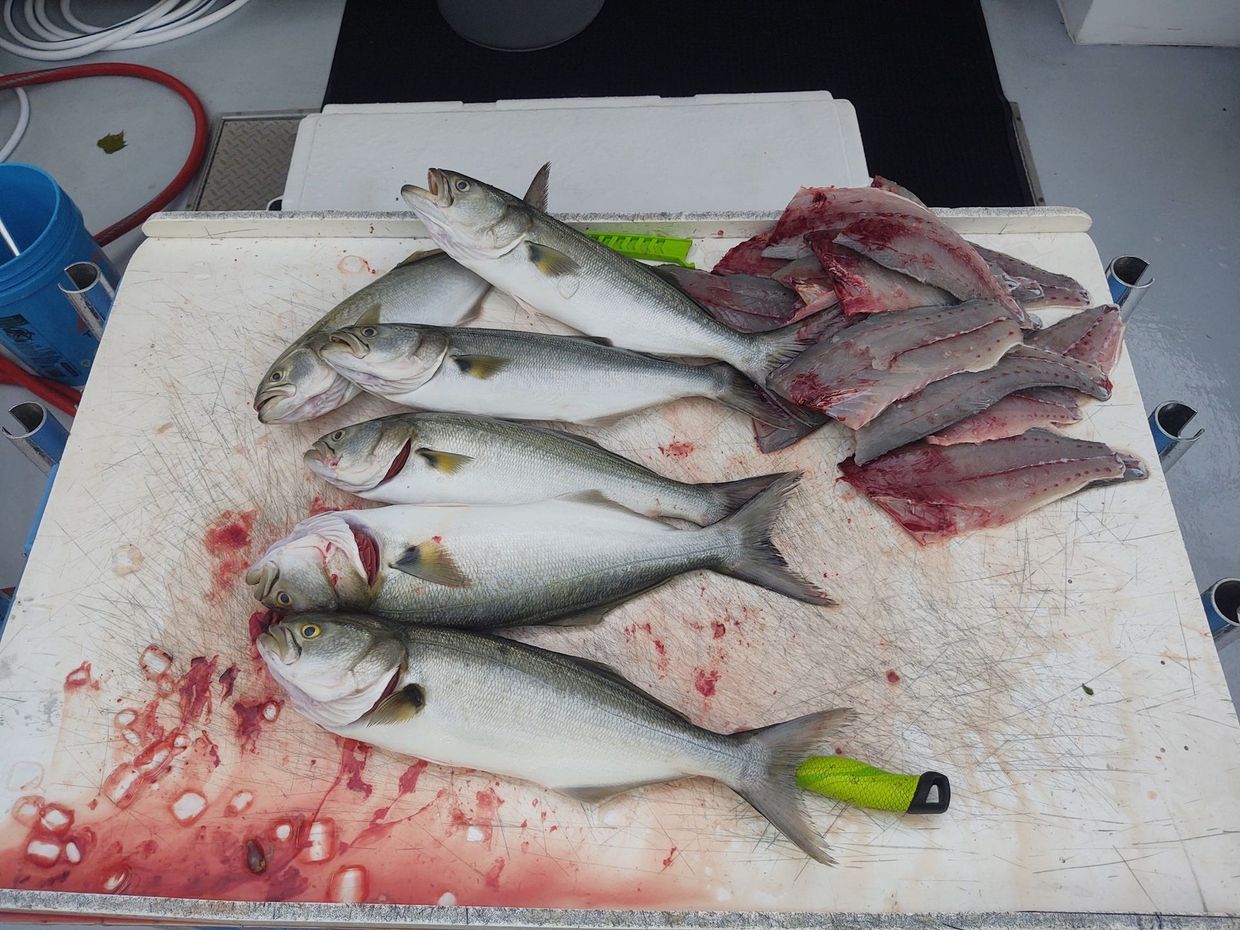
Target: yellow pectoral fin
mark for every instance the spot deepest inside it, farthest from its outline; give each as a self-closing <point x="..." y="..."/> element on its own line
<point x="431" y="561"/>
<point x="446" y="462"/>
<point x="480" y="366"/>
<point x="549" y="261"/>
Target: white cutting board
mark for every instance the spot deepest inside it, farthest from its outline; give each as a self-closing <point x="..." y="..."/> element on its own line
<point x="968" y="658"/>
<point x="608" y="155"/>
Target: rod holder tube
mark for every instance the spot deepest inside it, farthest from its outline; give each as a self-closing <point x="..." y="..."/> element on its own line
<point x="1222" y="603"/>
<point x="90" y="295"/>
<point x="1128" y="279"/>
<point x="1169" y="422"/>
<point x="38" y="435"/>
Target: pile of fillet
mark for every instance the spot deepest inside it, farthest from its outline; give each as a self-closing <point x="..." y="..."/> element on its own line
<point x="922" y="343"/>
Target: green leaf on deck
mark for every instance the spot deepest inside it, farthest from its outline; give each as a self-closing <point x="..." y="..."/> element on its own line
<point x="1088" y="690"/>
<point x="112" y="143"/>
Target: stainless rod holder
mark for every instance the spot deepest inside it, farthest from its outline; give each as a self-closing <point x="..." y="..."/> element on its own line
<point x="91" y="295"/>
<point x="1128" y="279"/>
<point x="1168" y="422"/>
<point x="39" y="435"/>
<point x="1222" y="603"/>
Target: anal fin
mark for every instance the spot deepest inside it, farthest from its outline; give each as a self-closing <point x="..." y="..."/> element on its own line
<point x="597" y="794"/>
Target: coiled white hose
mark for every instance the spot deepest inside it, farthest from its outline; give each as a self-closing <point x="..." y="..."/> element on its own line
<point x="47" y="40"/>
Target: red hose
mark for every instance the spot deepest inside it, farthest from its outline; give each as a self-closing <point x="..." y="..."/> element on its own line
<point x="58" y="395"/>
<point x="119" y="69"/>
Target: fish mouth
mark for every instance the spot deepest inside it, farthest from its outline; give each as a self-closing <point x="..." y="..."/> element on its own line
<point x="438" y="192"/>
<point x="398" y="463"/>
<point x="278" y="642"/>
<point x="354" y="343"/>
<point x="319" y="459"/>
<point x="263" y="402"/>
<point x="263" y="578"/>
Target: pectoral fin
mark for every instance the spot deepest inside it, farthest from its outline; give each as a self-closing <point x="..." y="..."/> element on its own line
<point x="446" y="462"/>
<point x="480" y="366"/>
<point x="549" y="261"/>
<point x="398" y="706"/>
<point x="432" y="562"/>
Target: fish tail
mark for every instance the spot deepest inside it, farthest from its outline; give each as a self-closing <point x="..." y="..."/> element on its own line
<point x="729" y="496"/>
<point x="770" y="784"/>
<point x="774" y="349"/>
<point x="753" y="557"/>
<point x="738" y="392"/>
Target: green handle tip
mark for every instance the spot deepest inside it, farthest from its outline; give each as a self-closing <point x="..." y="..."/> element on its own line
<point x="648" y="248"/>
<point x="866" y="786"/>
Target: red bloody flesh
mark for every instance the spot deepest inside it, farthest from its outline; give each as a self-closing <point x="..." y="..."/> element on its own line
<point x="368" y="552"/>
<point x="398" y="463"/>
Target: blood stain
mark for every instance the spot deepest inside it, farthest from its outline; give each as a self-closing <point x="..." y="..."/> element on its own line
<point x="227" y="541"/>
<point x="318" y="506"/>
<point x="892" y="677"/>
<point x="353" y="757"/>
<point x="677" y="449"/>
<point x="493" y="873"/>
<point x="80" y="678"/>
<point x="409" y="778"/>
<point x="227" y="679"/>
<point x="718" y="629"/>
<point x="704" y="680"/>
<point x="667" y="860"/>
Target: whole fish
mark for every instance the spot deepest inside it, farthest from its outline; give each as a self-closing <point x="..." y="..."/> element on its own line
<point x="437" y="458"/>
<point x="949" y="401"/>
<point x="470" y="700"/>
<point x="510" y="565"/>
<point x="936" y="492"/>
<point x="525" y="376"/>
<point x="427" y="287"/>
<point x="569" y="276"/>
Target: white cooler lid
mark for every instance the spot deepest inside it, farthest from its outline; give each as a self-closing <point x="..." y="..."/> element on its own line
<point x="718" y="152"/>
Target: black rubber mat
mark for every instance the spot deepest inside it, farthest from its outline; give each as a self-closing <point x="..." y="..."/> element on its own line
<point x="921" y="74"/>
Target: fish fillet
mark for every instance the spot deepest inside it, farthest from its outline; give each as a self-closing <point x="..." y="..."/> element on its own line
<point x="866" y="367"/>
<point x="1095" y="335"/>
<point x="885" y="184"/>
<point x="832" y="209"/>
<point x="747" y="303"/>
<point x="950" y="400"/>
<point x="811" y="282"/>
<point x="931" y="252"/>
<point x="1013" y="415"/>
<point x="746" y="258"/>
<point x="864" y="286"/>
<point x="937" y="492"/>
<point x="1056" y="290"/>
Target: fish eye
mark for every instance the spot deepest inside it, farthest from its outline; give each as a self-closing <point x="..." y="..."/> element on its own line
<point x="283" y="599"/>
<point x="338" y="435"/>
<point x="462" y="185"/>
<point x="369" y="331"/>
<point x="277" y="376"/>
<point x="310" y="630"/>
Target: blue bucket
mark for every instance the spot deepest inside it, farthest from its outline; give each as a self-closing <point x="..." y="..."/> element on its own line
<point x="38" y="324"/>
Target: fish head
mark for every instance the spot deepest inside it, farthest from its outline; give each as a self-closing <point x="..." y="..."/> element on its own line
<point x="363" y="456"/>
<point x="335" y="667"/>
<point x="386" y="357"/>
<point x="466" y="217"/>
<point x="324" y="564"/>
<point x="300" y="386"/>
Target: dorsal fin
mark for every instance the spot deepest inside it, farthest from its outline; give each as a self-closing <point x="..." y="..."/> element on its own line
<point x="536" y="193"/>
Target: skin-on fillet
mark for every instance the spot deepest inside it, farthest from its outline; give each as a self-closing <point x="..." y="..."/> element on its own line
<point x="936" y="492"/>
<point x="949" y="401"/>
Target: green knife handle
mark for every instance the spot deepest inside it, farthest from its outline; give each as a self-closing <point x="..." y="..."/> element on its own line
<point x="866" y="786"/>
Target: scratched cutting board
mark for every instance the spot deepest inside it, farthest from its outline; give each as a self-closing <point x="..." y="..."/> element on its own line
<point x="146" y="753"/>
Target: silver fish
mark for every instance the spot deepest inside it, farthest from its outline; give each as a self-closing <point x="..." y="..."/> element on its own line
<point x="510" y="565"/>
<point x="470" y="700"/>
<point x="427" y="287"/>
<point x="567" y="275"/>
<point x="437" y="458"/>
<point x="525" y="376"/>
<point x="949" y="401"/>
